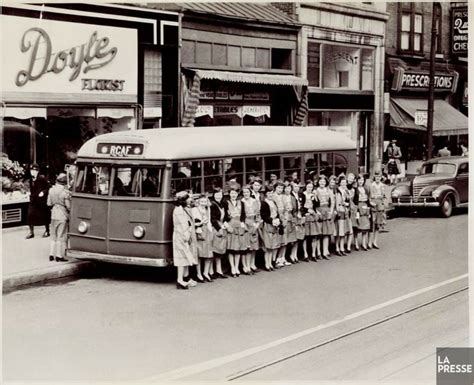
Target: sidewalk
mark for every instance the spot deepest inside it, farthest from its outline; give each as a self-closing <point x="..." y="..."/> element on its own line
<point x="26" y="261"/>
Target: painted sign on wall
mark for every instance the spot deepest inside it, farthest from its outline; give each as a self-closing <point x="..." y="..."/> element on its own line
<point x="49" y="60"/>
<point x="459" y="31"/>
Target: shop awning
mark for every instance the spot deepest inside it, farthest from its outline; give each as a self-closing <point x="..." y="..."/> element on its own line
<point x="446" y="119"/>
<point x="252" y="78"/>
<point x="25" y="112"/>
<point x="115" y="113"/>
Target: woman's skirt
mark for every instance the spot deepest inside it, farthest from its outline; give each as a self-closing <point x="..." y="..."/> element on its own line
<point x="326" y="220"/>
<point x="252" y="234"/>
<point x="183" y="252"/>
<point x="219" y="242"/>
<point x="204" y="243"/>
<point x="270" y="236"/>
<point x="300" y="229"/>
<point x="378" y="215"/>
<point x="290" y="230"/>
<point x="364" y="217"/>
<point x="312" y="228"/>
<point x="343" y="222"/>
<point x="236" y="236"/>
<point x="392" y="168"/>
<point x="354" y="221"/>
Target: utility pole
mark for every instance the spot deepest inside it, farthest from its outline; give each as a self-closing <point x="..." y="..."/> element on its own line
<point x="429" y="128"/>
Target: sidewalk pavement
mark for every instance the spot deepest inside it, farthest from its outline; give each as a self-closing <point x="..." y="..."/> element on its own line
<point x="26" y="261"/>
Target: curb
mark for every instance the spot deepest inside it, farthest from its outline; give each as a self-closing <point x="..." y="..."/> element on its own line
<point x="17" y="280"/>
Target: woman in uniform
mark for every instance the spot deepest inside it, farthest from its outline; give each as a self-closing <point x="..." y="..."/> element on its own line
<point x="325" y="209"/>
<point x="361" y="199"/>
<point x="299" y="218"/>
<point x="278" y="199"/>
<point x="219" y="240"/>
<point x="343" y="221"/>
<point x="312" y="227"/>
<point x="269" y="230"/>
<point x="184" y="239"/>
<point x="352" y="237"/>
<point x="290" y="205"/>
<point x="236" y="237"/>
<point x="204" y="233"/>
<point x="252" y="223"/>
<point x="377" y="203"/>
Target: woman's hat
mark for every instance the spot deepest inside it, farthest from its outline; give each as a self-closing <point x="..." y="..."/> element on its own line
<point x="34" y="166"/>
<point x="182" y="195"/>
<point x="61" y="178"/>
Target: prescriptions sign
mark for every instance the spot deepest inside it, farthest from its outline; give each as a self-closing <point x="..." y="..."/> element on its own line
<point x="45" y="60"/>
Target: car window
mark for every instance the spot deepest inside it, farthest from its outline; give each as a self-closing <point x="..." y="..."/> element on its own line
<point x="438" y="168"/>
<point x="463" y="169"/>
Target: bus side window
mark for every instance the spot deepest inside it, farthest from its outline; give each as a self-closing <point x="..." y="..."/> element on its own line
<point x="212" y="174"/>
<point x="292" y="165"/>
<point x="151" y="182"/>
<point x="340" y="164"/>
<point x="310" y="166"/>
<point x="253" y="168"/>
<point x="272" y="169"/>
<point x="186" y="176"/>
<point x="234" y="171"/>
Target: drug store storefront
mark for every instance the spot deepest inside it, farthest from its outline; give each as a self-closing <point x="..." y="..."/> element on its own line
<point x="62" y="83"/>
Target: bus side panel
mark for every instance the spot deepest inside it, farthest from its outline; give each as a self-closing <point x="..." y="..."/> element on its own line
<point x="93" y="211"/>
<point x="126" y="215"/>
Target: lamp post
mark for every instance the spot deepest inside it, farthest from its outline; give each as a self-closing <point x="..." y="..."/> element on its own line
<point x="434" y="34"/>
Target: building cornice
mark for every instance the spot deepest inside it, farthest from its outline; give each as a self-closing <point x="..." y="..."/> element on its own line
<point x="347" y="9"/>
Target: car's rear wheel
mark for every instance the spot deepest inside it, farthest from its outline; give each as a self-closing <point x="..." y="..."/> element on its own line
<point x="447" y="206"/>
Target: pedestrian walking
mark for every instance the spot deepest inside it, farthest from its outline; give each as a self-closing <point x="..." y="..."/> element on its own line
<point x="59" y="199"/>
<point x="444" y="151"/>
<point x="184" y="240"/>
<point x="393" y="166"/>
<point x="39" y="214"/>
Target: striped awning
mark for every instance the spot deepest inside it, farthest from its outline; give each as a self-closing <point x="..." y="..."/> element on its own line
<point x="252" y="78"/>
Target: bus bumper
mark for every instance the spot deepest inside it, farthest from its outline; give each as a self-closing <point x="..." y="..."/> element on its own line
<point x="85" y="255"/>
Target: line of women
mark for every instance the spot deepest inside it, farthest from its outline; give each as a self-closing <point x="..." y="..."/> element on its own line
<point x="288" y="221"/>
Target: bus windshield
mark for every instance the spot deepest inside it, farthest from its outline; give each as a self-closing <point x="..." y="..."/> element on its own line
<point x="133" y="181"/>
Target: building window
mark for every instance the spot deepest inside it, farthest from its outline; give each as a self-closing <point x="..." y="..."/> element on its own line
<point x="314" y="64"/>
<point x="410" y="28"/>
<point x="281" y="58"/>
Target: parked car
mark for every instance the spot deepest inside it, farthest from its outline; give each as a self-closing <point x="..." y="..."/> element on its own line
<point x="441" y="183"/>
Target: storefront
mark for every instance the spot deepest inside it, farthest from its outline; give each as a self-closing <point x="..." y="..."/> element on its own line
<point x="239" y="70"/>
<point x="342" y="57"/>
<point x="66" y="81"/>
<point x="409" y="114"/>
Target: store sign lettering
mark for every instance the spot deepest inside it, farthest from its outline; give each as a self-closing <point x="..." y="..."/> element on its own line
<point x="102" y="84"/>
<point x="411" y="80"/>
<point x="344" y="56"/>
<point x="459" y="31"/>
<point x="91" y="55"/>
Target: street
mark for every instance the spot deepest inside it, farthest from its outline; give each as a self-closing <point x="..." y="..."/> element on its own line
<point x="132" y="324"/>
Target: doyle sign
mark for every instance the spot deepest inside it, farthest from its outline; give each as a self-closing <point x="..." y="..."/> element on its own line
<point x="420" y="80"/>
<point x="54" y="61"/>
<point x="459" y="31"/>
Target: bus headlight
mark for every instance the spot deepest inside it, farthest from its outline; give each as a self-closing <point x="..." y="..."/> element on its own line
<point x="138" y="232"/>
<point x="395" y="194"/>
<point x="83" y="227"/>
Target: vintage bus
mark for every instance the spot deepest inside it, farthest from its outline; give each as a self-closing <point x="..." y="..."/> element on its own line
<point x="125" y="183"/>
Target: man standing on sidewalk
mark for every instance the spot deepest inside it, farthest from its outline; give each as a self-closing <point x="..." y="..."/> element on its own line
<point x="59" y="198"/>
<point x="38" y="211"/>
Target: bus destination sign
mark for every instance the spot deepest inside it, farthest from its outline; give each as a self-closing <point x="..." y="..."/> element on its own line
<point x="120" y="150"/>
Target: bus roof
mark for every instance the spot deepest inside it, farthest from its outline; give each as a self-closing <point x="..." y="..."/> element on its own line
<point x="221" y="141"/>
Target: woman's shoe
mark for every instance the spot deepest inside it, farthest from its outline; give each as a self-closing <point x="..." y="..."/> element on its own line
<point x="357" y="248"/>
<point x="60" y="259"/>
<point x="200" y="280"/>
<point x="246" y="272"/>
<point x="29" y="236"/>
<point x="208" y="279"/>
<point x="181" y="286"/>
<point x="325" y="257"/>
<point x="192" y="283"/>
<point x="220" y="275"/>
<point x="364" y="248"/>
<point x="376" y="247"/>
